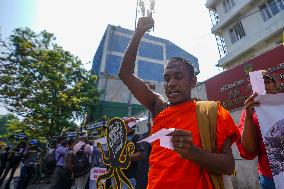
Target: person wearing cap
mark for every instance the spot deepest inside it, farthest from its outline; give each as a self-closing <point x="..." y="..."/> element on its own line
<point x="250" y="144"/>
<point x="131" y="172"/>
<point x="81" y="181"/>
<point x="30" y="159"/>
<point x="188" y="165"/>
<point x="4" y="159"/>
<point x="49" y="163"/>
<point x="14" y="159"/>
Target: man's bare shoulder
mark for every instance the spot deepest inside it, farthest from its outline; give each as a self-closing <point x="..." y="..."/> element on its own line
<point x="160" y="104"/>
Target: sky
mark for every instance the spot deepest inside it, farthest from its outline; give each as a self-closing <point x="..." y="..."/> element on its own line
<point x="80" y="24"/>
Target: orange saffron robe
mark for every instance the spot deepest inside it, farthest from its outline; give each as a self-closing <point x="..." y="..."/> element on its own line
<point x="167" y="169"/>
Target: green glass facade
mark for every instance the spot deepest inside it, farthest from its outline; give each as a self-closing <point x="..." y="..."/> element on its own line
<point x="115" y="109"/>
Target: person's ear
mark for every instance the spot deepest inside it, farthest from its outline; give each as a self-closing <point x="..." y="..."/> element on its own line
<point x="193" y="80"/>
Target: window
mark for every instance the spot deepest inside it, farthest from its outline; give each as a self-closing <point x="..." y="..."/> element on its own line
<point x="228" y="4"/>
<point x="150" y="71"/>
<point x="150" y="50"/>
<point x="237" y="32"/>
<point x="271" y="8"/>
<point x="113" y="64"/>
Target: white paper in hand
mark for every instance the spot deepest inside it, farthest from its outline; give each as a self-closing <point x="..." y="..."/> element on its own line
<point x="165" y="141"/>
<point x="132" y="123"/>
<point x="257" y="82"/>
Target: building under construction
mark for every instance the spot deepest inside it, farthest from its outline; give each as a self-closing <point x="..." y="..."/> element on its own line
<point x="116" y="99"/>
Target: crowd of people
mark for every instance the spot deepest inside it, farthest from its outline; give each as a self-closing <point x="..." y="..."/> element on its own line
<point x="66" y="162"/>
<point x="25" y="155"/>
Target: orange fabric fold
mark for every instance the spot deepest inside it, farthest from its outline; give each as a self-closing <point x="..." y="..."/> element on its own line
<point x="167" y="169"/>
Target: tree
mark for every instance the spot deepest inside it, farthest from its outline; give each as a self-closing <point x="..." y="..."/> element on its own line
<point x="9" y="125"/>
<point x="4" y="120"/>
<point x="3" y="123"/>
<point x="43" y="83"/>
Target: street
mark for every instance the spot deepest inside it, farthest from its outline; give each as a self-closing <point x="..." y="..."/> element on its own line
<point x="31" y="186"/>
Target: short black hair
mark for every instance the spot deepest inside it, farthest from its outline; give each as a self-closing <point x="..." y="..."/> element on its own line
<point x="70" y="141"/>
<point x="60" y="138"/>
<point x="188" y="64"/>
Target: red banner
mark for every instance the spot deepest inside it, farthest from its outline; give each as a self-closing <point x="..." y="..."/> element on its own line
<point x="232" y="87"/>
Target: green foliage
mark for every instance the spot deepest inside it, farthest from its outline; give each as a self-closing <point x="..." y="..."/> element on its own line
<point x="43" y="83"/>
<point x="4" y="120"/>
<point x="9" y="125"/>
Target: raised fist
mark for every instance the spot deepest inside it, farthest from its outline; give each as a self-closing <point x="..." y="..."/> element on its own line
<point x="145" y="24"/>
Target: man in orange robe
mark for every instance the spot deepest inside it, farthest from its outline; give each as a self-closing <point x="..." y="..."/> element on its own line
<point x="177" y="171"/>
<point x="188" y="166"/>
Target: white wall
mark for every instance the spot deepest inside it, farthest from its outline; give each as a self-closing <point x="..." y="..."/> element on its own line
<point x="256" y="37"/>
<point x="252" y="32"/>
<point x="199" y="91"/>
<point x="223" y="16"/>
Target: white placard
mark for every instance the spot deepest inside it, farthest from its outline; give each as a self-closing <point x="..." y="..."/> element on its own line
<point x="257" y="82"/>
<point x="96" y="172"/>
<point x="270" y="115"/>
<point x="101" y="140"/>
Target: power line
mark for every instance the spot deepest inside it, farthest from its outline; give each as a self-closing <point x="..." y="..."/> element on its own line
<point x="259" y="10"/>
<point x="215" y="19"/>
<point x="270" y="4"/>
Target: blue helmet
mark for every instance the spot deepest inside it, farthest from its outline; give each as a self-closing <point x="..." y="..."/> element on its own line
<point x="34" y="142"/>
<point x="71" y="134"/>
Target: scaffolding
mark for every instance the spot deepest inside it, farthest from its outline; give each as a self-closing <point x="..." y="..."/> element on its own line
<point x="219" y="39"/>
<point x="221" y="46"/>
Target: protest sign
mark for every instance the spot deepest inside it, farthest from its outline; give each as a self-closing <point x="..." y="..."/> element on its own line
<point x="270" y="115"/>
<point x="96" y="172"/>
<point x="117" y="157"/>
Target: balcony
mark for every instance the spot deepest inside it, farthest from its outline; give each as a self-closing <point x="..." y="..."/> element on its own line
<point x="236" y="12"/>
<point x="251" y="43"/>
<point x="210" y="4"/>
